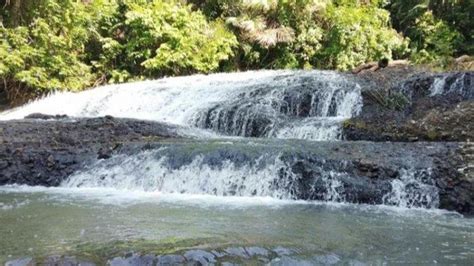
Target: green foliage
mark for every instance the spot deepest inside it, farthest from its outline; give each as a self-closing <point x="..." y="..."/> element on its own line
<point x="433" y="39"/>
<point x="46" y="54"/>
<point x="438" y="29"/>
<point x="70" y="45"/>
<point x="358" y="35"/>
<point x="50" y="45"/>
<point x="311" y="33"/>
<point x="161" y="38"/>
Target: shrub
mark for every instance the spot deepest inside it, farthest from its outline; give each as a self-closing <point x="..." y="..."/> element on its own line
<point x="156" y="38"/>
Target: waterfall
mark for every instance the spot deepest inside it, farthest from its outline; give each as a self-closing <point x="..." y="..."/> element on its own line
<point x="309" y="105"/>
<point x="456" y="84"/>
<point x="258" y="169"/>
<point x="267" y="175"/>
<point x="413" y="189"/>
<point x="279" y="104"/>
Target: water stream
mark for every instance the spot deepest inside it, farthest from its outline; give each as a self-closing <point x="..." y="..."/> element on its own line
<point x="96" y="224"/>
<point x="286" y="104"/>
<point x="243" y="185"/>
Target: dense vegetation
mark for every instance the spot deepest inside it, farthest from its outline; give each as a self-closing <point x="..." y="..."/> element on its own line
<point x="50" y="45"/>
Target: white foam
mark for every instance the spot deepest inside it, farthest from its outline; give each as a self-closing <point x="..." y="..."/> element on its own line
<point x="172" y="100"/>
<point x="124" y="198"/>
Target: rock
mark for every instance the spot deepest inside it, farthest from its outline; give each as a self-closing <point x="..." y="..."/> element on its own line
<point x="46" y="152"/>
<point x="65" y="261"/>
<point x="199" y="256"/>
<point x="21" y="262"/>
<point x="44" y="116"/>
<point x="330" y="259"/>
<point x="257" y="251"/>
<point x="237" y="252"/>
<point x="425" y="107"/>
<point x="281" y="251"/>
<point x="133" y="260"/>
<point x="169" y="260"/>
<point x="287" y="261"/>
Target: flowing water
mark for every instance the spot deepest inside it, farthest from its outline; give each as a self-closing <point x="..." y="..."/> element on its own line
<point x="95" y="223"/>
<point x="305" y="104"/>
<point x="286" y="199"/>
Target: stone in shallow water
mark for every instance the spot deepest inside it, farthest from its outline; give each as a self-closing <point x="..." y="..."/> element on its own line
<point x="287" y="261"/>
<point x="171" y="260"/>
<point x="237" y="252"/>
<point x="257" y="251"/>
<point x="281" y="251"/>
<point x="134" y="260"/>
<point x="329" y="259"/>
<point x="218" y="254"/>
<point x="229" y="264"/>
<point x="200" y="256"/>
<point x="21" y="262"/>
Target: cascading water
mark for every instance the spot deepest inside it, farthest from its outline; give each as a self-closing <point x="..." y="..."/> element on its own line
<point x="282" y="104"/>
<point x="310" y="105"/>
<point x="446" y="84"/>
<point x="228" y="173"/>
<point x="413" y="189"/>
<point x="457" y="84"/>
<point x="293" y="171"/>
<point x="185" y="194"/>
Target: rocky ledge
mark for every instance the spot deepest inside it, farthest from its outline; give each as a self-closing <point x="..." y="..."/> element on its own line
<point x="43" y="150"/>
<point x="425" y="106"/>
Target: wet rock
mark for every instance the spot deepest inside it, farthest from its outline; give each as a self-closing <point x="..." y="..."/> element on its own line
<point x="281" y="251"/>
<point x="425" y="107"/>
<point x="44" y="116"/>
<point x="65" y="261"/>
<point x="330" y="259"/>
<point x="199" y="256"/>
<point x="46" y="152"/>
<point x="257" y="251"/>
<point x="237" y="252"/>
<point x="169" y="260"/>
<point x="288" y="261"/>
<point x="133" y="260"/>
<point x="21" y="262"/>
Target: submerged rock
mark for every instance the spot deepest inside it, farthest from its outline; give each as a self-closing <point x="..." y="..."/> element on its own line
<point x="134" y="260"/>
<point x="21" y="262"/>
<point x="53" y="261"/>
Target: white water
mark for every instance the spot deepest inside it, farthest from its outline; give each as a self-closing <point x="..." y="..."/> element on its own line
<point x="275" y="97"/>
<point x="440" y="86"/>
<point x="281" y="104"/>
<point x="152" y="171"/>
<point x="148" y="172"/>
<point x="409" y="191"/>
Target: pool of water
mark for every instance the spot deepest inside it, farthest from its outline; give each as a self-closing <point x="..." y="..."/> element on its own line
<point x="99" y="224"/>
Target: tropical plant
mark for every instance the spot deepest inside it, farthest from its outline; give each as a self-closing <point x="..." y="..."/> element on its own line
<point x="156" y="38"/>
<point x="359" y="34"/>
<point x="44" y="46"/>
